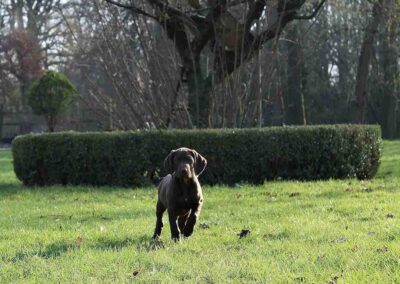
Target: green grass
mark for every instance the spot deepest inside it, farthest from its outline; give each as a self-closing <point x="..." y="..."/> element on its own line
<point x="312" y="232"/>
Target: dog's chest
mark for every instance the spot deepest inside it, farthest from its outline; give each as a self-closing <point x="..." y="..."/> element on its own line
<point x="188" y="201"/>
<point x="186" y="196"/>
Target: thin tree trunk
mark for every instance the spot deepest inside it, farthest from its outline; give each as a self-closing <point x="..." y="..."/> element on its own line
<point x="259" y="92"/>
<point x="294" y="101"/>
<point x="389" y="99"/>
<point x="361" y="93"/>
<point x="51" y="122"/>
<point x="199" y="89"/>
<point x="1" y="120"/>
<point x="390" y="73"/>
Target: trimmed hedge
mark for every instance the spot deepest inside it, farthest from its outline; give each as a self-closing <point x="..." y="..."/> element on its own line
<point x="234" y="155"/>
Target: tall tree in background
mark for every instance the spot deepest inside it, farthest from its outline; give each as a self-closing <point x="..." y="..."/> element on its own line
<point x="21" y="58"/>
<point x="223" y="28"/>
<point x="31" y="38"/>
<point x="294" y="109"/>
<point x="390" y="66"/>
<point x="143" y="67"/>
<point x="128" y="68"/>
<point x="361" y="92"/>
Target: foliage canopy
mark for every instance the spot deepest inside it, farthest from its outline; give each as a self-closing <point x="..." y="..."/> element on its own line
<point x="51" y="95"/>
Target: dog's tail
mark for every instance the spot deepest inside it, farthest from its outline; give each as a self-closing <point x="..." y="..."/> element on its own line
<point x="154" y="178"/>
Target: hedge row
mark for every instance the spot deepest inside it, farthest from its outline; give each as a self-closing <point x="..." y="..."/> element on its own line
<point x="234" y="155"/>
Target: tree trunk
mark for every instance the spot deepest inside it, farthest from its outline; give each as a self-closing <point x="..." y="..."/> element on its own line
<point x="1" y="120"/>
<point x="361" y="93"/>
<point x="390" y="74"/>
<point x="199" y="88"/>
<point x="294" y="99"/>
<point x="51" y="122"/>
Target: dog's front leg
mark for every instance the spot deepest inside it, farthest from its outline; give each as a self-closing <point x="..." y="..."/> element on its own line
<point x="173" y="223"/>
<point x="159" y="224"/>
<point x="194" y="215"/>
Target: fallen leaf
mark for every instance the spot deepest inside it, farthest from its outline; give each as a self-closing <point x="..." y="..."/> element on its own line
<point x="300" y="279"/>
<point x="333" y="280"/>
<point x="207" y="279"/>
<point x="268" y="236"/>
<point x="79" y="240"/>
<point x="135" y="272"/>
<point x="382" y="249"/>
<point x="367" y="189"/>
<point x="244" y="233"/>
<point x="341" y="240"/>
<point x="391" y="216"/>
<point x="238" y="195"/>
<point x="204" y="226"/>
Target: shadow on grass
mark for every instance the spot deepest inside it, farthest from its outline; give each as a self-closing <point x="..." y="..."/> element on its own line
<point x="57" y="249"/>
<point x="113" y="244"/>
<point x="389" y="169"/>
<point x="50" y="251"/>
<point x="93" y="217"/>
<point x="277" y="236"/>
<point x="142" y="243"/>
<point x="354" y="192"/>
<point x="7" y="189"/>
<point x="10" y="188"/>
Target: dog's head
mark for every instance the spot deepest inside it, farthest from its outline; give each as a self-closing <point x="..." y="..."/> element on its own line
<point x="185" y="163"/>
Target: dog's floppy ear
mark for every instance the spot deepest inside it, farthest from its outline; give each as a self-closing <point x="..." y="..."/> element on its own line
<point x="168" y="162"/>
<point x="200" y="163"/>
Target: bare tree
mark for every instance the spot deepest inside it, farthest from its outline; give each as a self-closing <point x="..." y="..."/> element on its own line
<point x="222" y="31"/>
<point x="127" y="67"/>
<point x="32" y="38"/>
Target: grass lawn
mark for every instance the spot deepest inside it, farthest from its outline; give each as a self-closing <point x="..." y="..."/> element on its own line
<point x="312" y="232"/>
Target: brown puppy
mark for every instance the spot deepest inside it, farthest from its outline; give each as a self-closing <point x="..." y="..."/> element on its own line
<point x="180" y="192"/>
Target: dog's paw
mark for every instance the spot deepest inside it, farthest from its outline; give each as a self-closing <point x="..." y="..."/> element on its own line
<point x="155" y="244"/>
<point x="176" y="239"/>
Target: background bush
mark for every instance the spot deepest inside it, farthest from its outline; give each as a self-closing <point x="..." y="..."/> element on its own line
<point x="50" y="95"/>
<point x="234" y="155"/>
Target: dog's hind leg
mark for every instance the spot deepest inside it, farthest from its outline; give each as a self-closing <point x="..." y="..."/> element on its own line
<point x="159" y="223"/>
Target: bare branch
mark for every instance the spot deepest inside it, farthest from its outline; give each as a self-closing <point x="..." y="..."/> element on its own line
<point x="130" y="7"/>
<point x="200" y="41"/>
<point x="311" y="16"/>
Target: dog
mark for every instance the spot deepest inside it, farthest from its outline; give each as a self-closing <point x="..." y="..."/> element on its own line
<point x="180" y="192"/>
